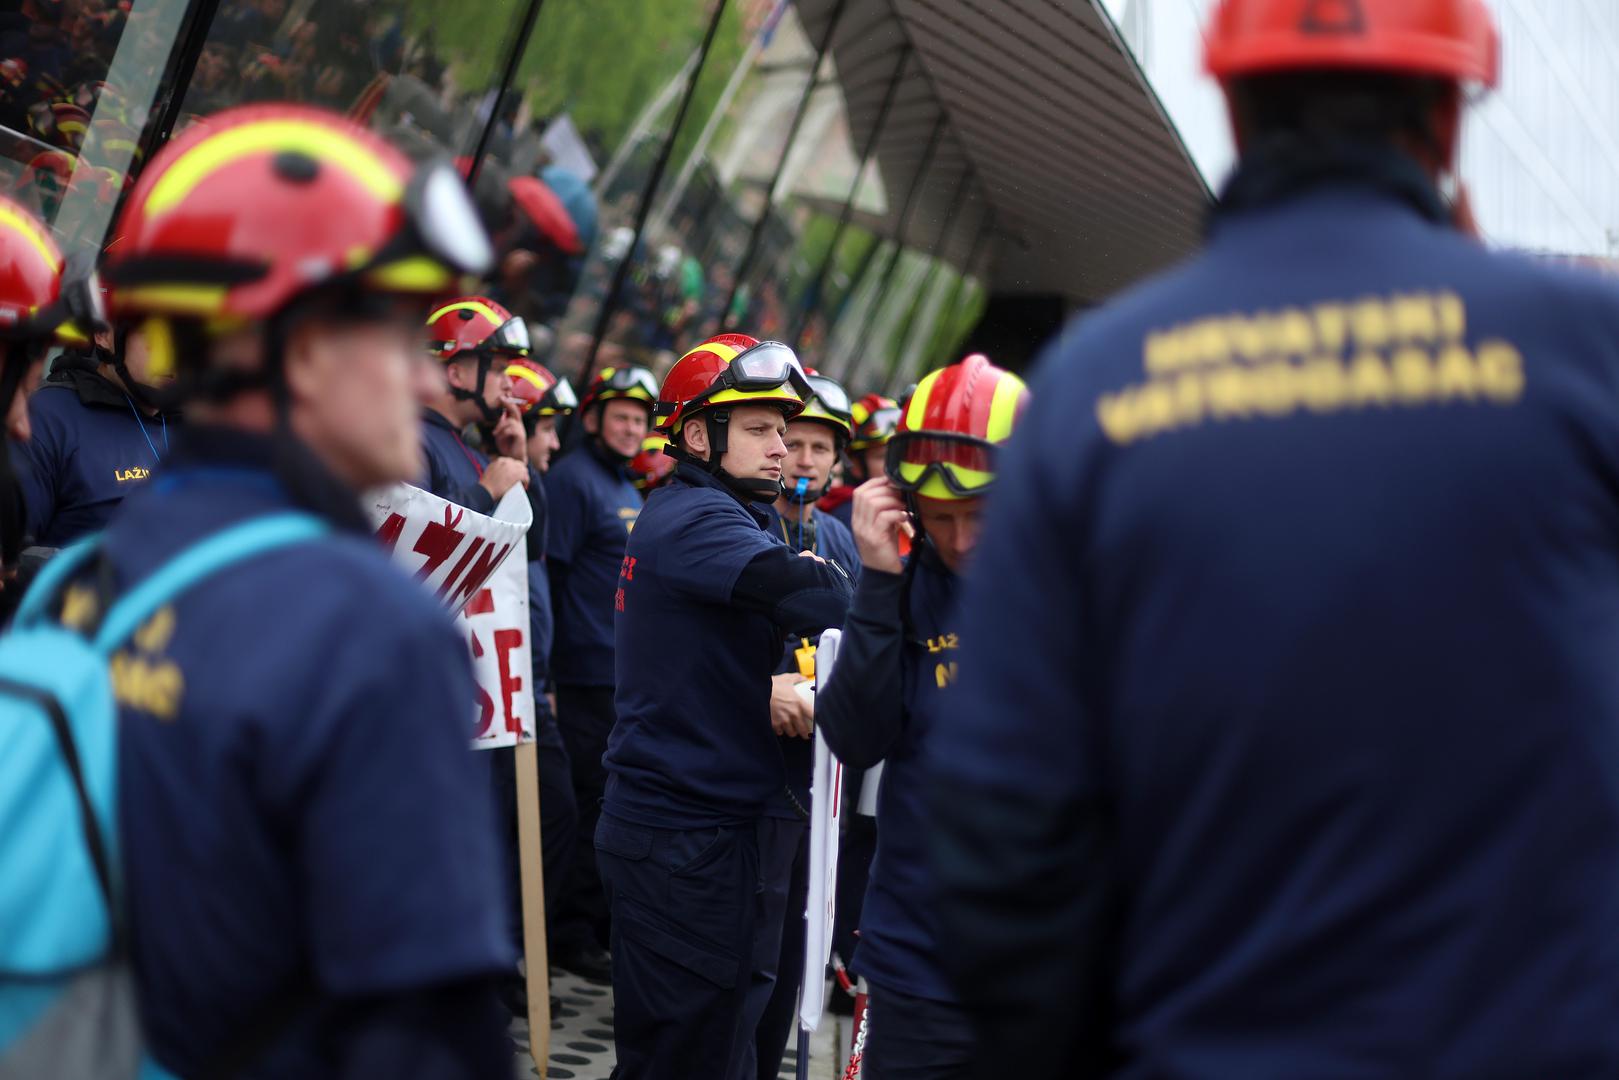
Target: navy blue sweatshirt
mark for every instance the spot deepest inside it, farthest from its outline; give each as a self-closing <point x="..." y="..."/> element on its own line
<point x="896" y="664"/>
<point x="705" y="594"/>
<point x="91" y="447"/>
<point x="1287" y="741"/>
<point x="593" y="508"/>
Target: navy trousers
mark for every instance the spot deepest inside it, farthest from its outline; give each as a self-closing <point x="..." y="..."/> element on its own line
<point x="697" y="917"/>
<point x="912" y="1038"/>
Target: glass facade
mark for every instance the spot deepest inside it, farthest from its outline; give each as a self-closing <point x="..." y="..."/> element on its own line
<point x="654" y="170"/>
<point x="1540" y="155"/>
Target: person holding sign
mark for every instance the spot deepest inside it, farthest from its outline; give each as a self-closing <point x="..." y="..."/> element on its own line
<point x="896" y="665"/>
<point x="310" y="866"/>
<point x="815" y="438"/>
<point x="474" y="338"/>
<point x="694" y="863"/>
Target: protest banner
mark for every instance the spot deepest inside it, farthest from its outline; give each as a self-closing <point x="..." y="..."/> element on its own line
<point x="465" y="558"/>
<point x="477" y="565"/>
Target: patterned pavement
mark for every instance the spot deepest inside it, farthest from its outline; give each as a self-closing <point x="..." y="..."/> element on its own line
<point x="582" y="1037"/>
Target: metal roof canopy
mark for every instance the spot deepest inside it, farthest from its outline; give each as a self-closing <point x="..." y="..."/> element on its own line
<point x="1047" y="119"/>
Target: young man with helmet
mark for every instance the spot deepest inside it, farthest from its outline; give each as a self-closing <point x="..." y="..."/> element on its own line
<point x="475" y="339"/>
<point x="542" y="398"/>
<point x="872" y="419"/>
<point x="814" y="438"/>
<point x="305" y="836"/>
<point x="41" y="304"/>
<point x="694" y="863"/>
<point x="593" y="507"/>
<point x="896" y="668"/>
<point x="1288" y="714"/>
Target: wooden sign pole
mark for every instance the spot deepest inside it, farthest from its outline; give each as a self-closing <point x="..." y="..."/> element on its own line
<point x="532" y="875"/>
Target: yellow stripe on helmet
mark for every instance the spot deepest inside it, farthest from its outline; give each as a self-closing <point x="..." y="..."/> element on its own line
<point x="1003" y="407"/>
<point x="467" y="305"/>
<point x="918" y="406"/>
<point x="175" y="299"/>
<point x="529" y="375"/>
<point x="273" y="136"/>
<point x="416" y="274"/>
<point x="30" y="232"/>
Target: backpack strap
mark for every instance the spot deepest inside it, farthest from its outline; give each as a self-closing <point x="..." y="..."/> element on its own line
<point x="235" y="544"/>
<point x="52" y="576"/>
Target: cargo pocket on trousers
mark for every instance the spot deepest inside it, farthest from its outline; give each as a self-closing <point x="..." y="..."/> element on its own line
<point x="623" y="840"/>
<point x="698" y="957"/>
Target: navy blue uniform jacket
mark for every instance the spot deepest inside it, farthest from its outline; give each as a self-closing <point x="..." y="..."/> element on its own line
<point x="593" y="509"/>
<point x="705" y="593"/>
<point x="90" y="449"/>
<point x="896" y="666"/>
<point x="830" y="539"/>
<point x="1289" y="710"/>
<point x="298" y="805"/>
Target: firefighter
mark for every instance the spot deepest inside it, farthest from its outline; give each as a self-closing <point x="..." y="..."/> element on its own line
<point x="544" y="398"/>
<point x="474" y="338"/>
<point x="815" y="438"/>
<point x="896" y="666"/>
<point x="98" y="434"/>
<point x="593" y="507"/>
<point x="1287" y="719"/>
<point x="311" y="874"/>
<point x="41" y="303"/>
<point x="873" y="419"/>
<point x="694" y="862"/>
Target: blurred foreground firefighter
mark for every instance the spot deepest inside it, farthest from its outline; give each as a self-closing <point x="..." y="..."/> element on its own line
<point x="694" y="859"/>
<point x="895" y="672"/>
<point x="1287" y="736"/>
<point x="312" y="880"/>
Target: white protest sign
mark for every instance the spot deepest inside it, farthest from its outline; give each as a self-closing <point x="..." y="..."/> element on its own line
<point x="826" y="797"/>
<point x="477" y="566"/>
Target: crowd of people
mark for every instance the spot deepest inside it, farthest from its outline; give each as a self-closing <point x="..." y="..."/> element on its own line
<point x="1267" y="733"/>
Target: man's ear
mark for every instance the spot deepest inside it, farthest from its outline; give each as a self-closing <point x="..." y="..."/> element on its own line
<point x="694" y="437"/>
<point x="456" y="374"/>
<point x="304" y="361"/>
<point x="593" y="421"/>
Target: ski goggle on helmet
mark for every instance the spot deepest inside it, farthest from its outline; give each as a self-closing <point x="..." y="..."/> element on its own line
<point x="951" y="434"/>
<point x="757" y="369"/>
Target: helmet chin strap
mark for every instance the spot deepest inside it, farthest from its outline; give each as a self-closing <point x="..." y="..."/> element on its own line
<point x="756" y="489"/>
<point x="490" y="414"/>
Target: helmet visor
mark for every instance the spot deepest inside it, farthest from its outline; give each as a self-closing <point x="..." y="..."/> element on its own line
<point x="510" y="337"/>
<point x="446" y="221"/>
<point x="964" y="464"/>
<point x="626" y="380"/>
<point x="560" y="399"/>
<point x="833" y="398"/>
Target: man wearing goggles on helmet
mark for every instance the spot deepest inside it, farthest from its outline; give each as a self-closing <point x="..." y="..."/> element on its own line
<point x="594" y="504"/>
<point x="301" y="819"/>
<point x="475" y="338"/>
<point x="896" y="666"/>
<point x="695" y="862"/>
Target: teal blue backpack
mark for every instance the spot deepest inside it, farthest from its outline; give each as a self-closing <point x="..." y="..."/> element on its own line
<point x="67" y="1005"/>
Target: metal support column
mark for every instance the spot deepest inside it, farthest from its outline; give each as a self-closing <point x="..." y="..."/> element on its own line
<point x="609" y="304"/>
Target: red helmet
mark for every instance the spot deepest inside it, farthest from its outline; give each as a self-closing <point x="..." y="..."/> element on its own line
<point x="251" y="208"/>
<point x="539" y="392"/>
<point x="875" y="419"/>
<point x="651" y="467"/>
<point x="953" y="427"/>
<point x="621" y="384"/>
<point x="727" y="370"/>
<point x="546" y="212"/>
<point x="36" y="303"/>
<point x="1447" y="39"/>
<point x="471" y="325"/>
